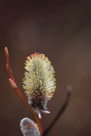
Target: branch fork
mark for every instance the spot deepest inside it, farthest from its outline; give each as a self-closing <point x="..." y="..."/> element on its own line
<point x="17" y="90"/>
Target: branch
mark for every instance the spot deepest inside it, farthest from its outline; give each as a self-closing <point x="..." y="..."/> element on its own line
<point x="60" y="112"/>
<point x="15" y="87"/>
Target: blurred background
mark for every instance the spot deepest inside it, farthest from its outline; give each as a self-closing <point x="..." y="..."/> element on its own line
<point x="62" y="31"/>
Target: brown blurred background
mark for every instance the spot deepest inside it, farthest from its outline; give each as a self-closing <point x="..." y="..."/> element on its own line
<point x="62" y="31"/>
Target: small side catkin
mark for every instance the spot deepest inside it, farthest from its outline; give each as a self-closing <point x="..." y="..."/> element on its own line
<point x="29" y="128"/>
<point x="39" y="81"/>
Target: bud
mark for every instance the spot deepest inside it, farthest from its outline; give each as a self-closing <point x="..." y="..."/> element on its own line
<point x="6" y="51"/>
<point x="39" y="82"/>
<point x="29" y="128"/>
<point x="12" y="83"/>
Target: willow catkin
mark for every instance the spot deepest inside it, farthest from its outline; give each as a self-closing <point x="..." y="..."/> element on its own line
<point x="29" y="128"/>
<point x="39" y="81"/>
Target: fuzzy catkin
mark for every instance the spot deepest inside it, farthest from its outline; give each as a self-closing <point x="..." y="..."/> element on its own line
<point x="29" y="128"/>
<point x="39" y="81"/>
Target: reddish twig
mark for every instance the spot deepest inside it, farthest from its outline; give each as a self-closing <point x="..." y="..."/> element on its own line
<point x="15" y="87"/>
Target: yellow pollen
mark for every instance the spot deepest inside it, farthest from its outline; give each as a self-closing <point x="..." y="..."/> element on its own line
<point x="39" y="76"/>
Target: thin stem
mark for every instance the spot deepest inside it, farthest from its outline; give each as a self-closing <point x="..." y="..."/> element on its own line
<point x="15" y="87"/>
<point x="59" y="113"/>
